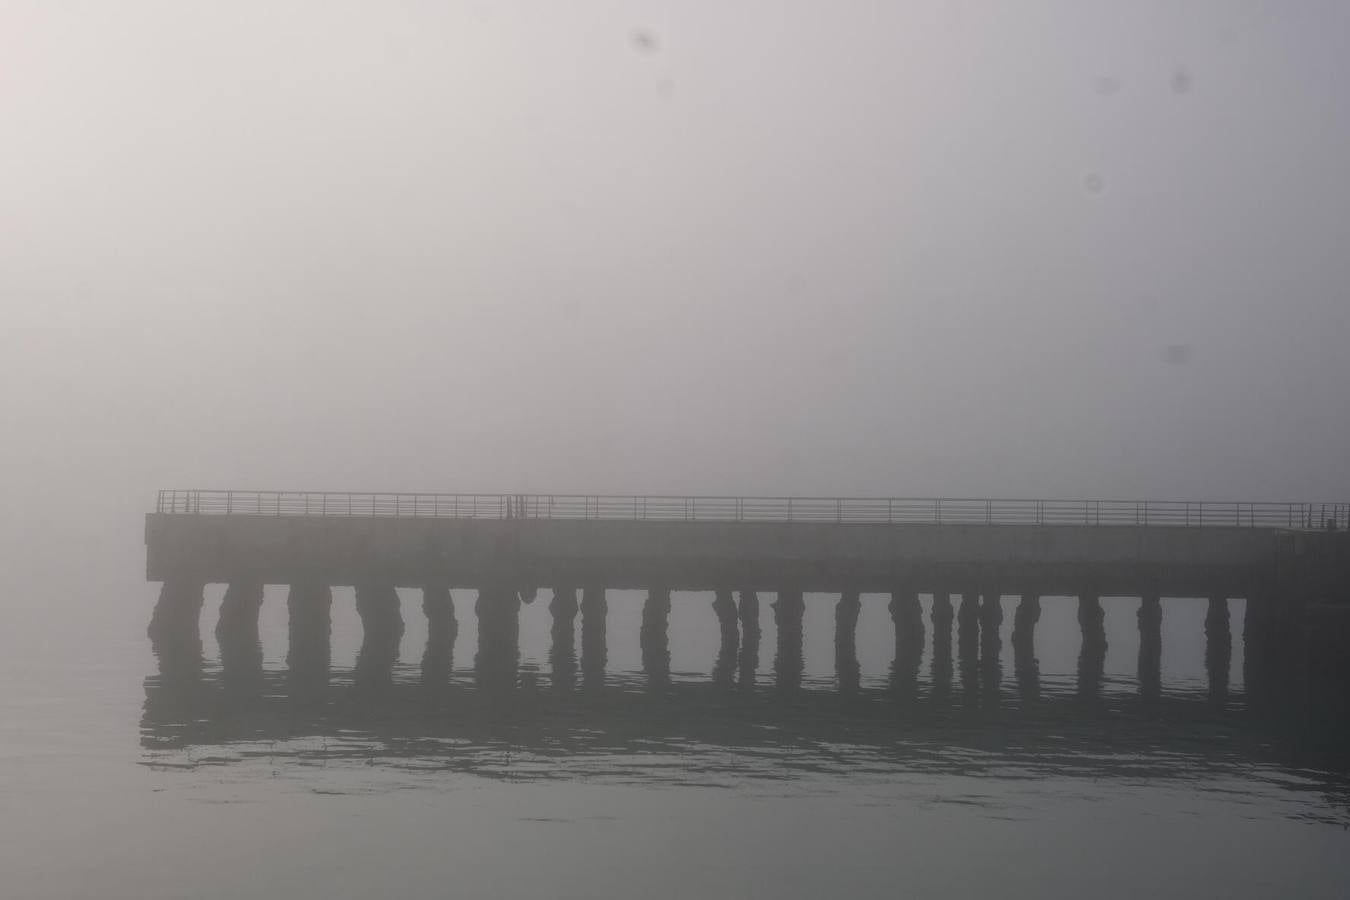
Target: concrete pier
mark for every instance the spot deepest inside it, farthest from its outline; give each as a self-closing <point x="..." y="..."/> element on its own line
<point x="706" y="554"/>
<point x="505" y="548"/>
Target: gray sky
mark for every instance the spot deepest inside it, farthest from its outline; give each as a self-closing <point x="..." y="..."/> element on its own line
<point x="1069" y="249"/>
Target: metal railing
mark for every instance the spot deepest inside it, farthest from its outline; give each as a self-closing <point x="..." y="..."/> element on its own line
<point x="849" y="510"/>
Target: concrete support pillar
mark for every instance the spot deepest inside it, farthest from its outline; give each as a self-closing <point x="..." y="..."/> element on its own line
<point x="382" y="624"/>
<point x="1218" y="646"/>
<point x="310" y="607"/>
<point x="438" y="606"/>
<point x="498" y="611"/>
<point x="1150" y="646"/>
<point x="748" y="664"/>
<point x="907" y="620"/>
<point x="175" y="636"/>
<point x="788" y="609"/>
<point x="563" y="651"/>
<point x="991" y="642"/>
<point x="594" y="649"/>
<point x="943" y="615"/>
<point x="1026" y="667"/>
<point x="968" y="642"/>
<point x="724" y="669"/>
<point x="237" y="636"/>
<point x="178" y="612"/>
<point x="846" y="667"/>
<point x="655" y="637"/>
<point x="1092" y="656"/>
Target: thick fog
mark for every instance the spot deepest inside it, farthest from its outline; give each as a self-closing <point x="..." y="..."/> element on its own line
<point x="1068" y="249"/>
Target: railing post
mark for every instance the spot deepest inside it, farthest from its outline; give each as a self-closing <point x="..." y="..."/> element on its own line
<point x="938" y="511"/>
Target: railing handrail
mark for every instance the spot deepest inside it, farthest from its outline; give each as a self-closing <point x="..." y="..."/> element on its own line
<point x="1300" y="515"/>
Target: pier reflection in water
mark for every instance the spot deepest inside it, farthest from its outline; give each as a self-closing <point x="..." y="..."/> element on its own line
<point x="727" y="721"/>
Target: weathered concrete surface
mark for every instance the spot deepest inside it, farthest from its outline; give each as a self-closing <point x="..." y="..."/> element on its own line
<point x="709" y="555"/>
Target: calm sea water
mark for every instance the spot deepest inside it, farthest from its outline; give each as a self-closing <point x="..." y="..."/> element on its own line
<point x="120" y="779"/>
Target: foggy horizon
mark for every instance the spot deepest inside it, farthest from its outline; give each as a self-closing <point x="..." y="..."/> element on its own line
<point x="628" y="248"/>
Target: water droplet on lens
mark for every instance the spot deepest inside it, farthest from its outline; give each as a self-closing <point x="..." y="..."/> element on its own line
<point x="1181" y="80"/>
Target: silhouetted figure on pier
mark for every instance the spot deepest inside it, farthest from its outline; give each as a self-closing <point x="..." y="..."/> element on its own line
<point x="1218" y="647"/>
<point x="943" y="615"/>
<point x="309" y="653"/>
<point x="1150" y="647"/>
<point x="382" y="624"/>
<point x="1026" y="667"/>
<point x="1092" y="656"/>
<point x="655" y="637"/>
<point x="846" y="668"/>
<point x="442" y="628"/>
<point x="724" y="668"/>
<point x="594" y="650"/>
<point x="748" y="662"/>
<point x="562" y="657"/>
<point x="788" y="609"/>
